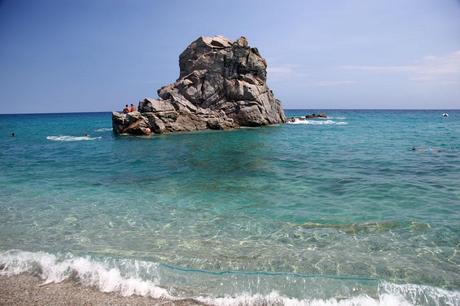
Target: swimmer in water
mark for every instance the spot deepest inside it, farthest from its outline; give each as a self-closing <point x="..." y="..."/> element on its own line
<point x="13" y="134"/>
<point x="418" y="149"/>
<point x="422" y="150"/>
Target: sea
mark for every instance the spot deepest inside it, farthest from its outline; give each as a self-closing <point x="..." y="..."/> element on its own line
<point x="359" y="208"/>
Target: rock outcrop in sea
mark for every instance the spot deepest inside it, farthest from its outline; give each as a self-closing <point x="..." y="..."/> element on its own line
<point x="222" y="85"/>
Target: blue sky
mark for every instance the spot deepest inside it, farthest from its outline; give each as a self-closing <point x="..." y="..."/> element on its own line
<point x="69" y="56"/>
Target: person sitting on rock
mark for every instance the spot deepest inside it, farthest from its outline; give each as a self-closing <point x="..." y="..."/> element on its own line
<point x="126" y="109"/>
<point x="133" y="108"/>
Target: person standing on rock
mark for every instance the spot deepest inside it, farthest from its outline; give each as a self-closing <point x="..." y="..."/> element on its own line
<point x="126" y="109"/>
<point x="133" y="108"/>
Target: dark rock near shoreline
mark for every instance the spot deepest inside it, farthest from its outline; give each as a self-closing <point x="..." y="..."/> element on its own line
<point x="222" y="85"/>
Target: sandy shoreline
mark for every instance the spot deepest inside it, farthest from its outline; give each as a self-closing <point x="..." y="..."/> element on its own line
<point x="26" y="289"/>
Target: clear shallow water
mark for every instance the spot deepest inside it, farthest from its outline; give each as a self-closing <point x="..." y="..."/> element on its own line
<point x="340" y="208"/>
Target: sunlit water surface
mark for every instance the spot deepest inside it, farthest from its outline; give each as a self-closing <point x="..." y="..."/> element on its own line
<point x="362" y="204"/>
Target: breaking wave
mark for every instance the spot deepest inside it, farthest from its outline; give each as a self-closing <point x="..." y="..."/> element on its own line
<point x="105" y="275"/>
<point x="275" y="299"/>
<point x="134" y="277"/>
<point x="71" y="138"/>
<point x="103" y="130"/>
<point x="318" y="122"/>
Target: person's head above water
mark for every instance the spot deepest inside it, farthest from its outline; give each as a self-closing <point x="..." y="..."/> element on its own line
<point x="13" y="134"/>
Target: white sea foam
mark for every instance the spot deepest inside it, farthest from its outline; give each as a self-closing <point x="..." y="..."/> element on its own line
<point x="389" y="295"/>
<point x="275" y="299"/>
<point x="101" y="275"/>
<point x="420" y="294"/>
<point x="103" y="130"/>
<point x="329" y="118"/>
<point x="317" y="122"/>
<point x="124" y="276"/>
<point x="71" y="138"/>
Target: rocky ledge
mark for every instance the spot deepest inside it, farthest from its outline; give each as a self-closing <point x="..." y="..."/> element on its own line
<point x="222" y="85"/>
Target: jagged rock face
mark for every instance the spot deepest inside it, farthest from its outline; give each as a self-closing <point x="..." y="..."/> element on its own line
<point x="222" y="85"/>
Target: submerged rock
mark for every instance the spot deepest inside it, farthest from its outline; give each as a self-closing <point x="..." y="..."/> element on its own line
<point x="222" y="85"/>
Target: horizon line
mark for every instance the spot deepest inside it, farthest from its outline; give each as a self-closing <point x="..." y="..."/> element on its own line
<point x="286" y="109"/>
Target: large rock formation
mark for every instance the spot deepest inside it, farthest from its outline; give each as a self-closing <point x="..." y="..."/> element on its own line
<point x="222" y="85"/>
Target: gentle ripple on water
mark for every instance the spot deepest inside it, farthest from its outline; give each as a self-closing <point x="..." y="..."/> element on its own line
<point x="341" y="200"/>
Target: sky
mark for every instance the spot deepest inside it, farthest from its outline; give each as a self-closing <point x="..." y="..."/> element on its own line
<point x="85" y="55"/>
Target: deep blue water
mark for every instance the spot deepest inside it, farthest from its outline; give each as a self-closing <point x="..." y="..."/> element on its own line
<point x="364" y="203"/>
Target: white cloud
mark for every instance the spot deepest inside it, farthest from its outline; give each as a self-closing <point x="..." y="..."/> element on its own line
<point x="285" y="71"/>
<point x="443" y="69"/>
<point x="296" y="73"/>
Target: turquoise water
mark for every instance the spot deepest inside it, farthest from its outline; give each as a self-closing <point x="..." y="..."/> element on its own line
<point x="341" y="208"/>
